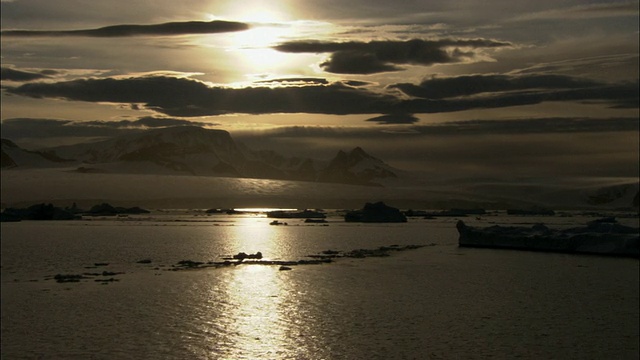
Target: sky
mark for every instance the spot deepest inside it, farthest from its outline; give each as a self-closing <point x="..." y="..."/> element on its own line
<point x="509" y="89"/>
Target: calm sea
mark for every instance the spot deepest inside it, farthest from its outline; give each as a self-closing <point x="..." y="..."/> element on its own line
<point x="436" y="302"/>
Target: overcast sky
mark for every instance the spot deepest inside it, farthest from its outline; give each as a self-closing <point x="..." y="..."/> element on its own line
<point x="470" y="88"/>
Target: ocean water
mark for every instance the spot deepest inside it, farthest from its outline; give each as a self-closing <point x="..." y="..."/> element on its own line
<point x="435" y="302"/>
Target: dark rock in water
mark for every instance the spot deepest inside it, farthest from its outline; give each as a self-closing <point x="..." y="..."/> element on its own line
<point x="276" y="222"/>
<point x="311" y="214"/>
<point x="242" y="256"/>
<point x="9" y="217"/>
<point x="532" y="211"/>
<point x="327" y="256"/>
<point x="106" y="209"/>
<point x="144" y="261"/>
<point x="67" y="278"/>
<point x="189" y="263"/>
<point x="315" y="221"/>
<point x="111" y="273"/>
<point x="602" y="238"/>
<point x="37" y="212"/>
<point x="456" y="213"/>
<point x="377" y="212"/>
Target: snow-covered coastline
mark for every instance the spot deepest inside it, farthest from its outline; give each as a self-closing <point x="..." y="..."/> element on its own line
<point x="62" y="186"/>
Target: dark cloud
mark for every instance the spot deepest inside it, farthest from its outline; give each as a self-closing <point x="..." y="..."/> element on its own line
<point x="616" y="95"/>
<point x="395" y="119"/>
<point x="294" y="80"/>
<point x="17" y="128"/>
<point x="442" y="88"/>
<point x="171" y="28"/>
<point x="531" y="126"/>
<point x="184" y="97"/>
<point x="554" y="125"/>
<point x="356" y="83"/>
<point x="143" y="122"/>
<point x="356" y="62"/>
<point x="21" y="75"/>
<point x="49" y="72"/>
<point x="382" y="56"/>
<point x="20" y="128"/>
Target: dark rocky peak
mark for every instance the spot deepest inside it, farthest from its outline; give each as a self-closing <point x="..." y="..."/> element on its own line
<point x="358" y="154"/>
<point x="340" y="160"/>
<point x="8" y="143"/>
<point x="352" y="158"/>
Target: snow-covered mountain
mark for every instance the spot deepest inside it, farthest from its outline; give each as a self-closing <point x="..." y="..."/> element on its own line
<point x="189" y="150"/>
<point x="198" y="151"/>
<point x="617" y="196"/>
<point x="13" y="156"/>
<point x="357" y="167"/>
<point x="214" y="154"/>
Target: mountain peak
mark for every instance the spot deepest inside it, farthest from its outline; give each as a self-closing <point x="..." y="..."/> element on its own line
<point x="356" y="167"/>
<point x="358" y="151"/>
<point x="358" y="154"/>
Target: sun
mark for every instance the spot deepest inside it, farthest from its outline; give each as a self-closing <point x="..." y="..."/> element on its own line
<point x="252" y="52"/>
<point x="270" y="23"/>
<point x="256" y="11"/>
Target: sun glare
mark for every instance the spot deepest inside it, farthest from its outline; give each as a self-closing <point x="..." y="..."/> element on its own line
<point x="261" y="210"/>
<point x="250" y="53"/>
<point x="271" y="22"/>
<point x="254" y="48"/>
<point x="256" y="11"/>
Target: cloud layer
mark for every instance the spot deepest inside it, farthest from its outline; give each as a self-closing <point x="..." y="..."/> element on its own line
<point x="382" y="56"/>
<point x="18" y="128"/>
<point x="186" y="97"/>
<point x="165" y="29"/>
<point x="10" y="74"/>
<point x="466" y="85"/>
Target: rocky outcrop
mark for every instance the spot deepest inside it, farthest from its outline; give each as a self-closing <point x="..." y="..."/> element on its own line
<point x="377" y="212"/>
<point x="50" y="212"/>
<point x="106" y="209"/>
<point x="37" y="212"/>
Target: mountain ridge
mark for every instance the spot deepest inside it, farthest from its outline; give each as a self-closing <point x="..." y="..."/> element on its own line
<point x="179" y="153"/>
<point x="205" y="152"/>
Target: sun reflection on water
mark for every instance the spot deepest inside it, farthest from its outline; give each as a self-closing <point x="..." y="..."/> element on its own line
<point x="257" y="326"/>
<point x="254" y="298"/>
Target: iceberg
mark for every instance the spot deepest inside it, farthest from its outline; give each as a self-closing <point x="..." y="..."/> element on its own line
<point x="598" y="237"/>
<point x="377" y="212"/>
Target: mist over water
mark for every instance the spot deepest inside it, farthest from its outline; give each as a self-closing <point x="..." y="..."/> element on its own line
<point x="439" y="301"/>
<point x="64" y="186"/>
